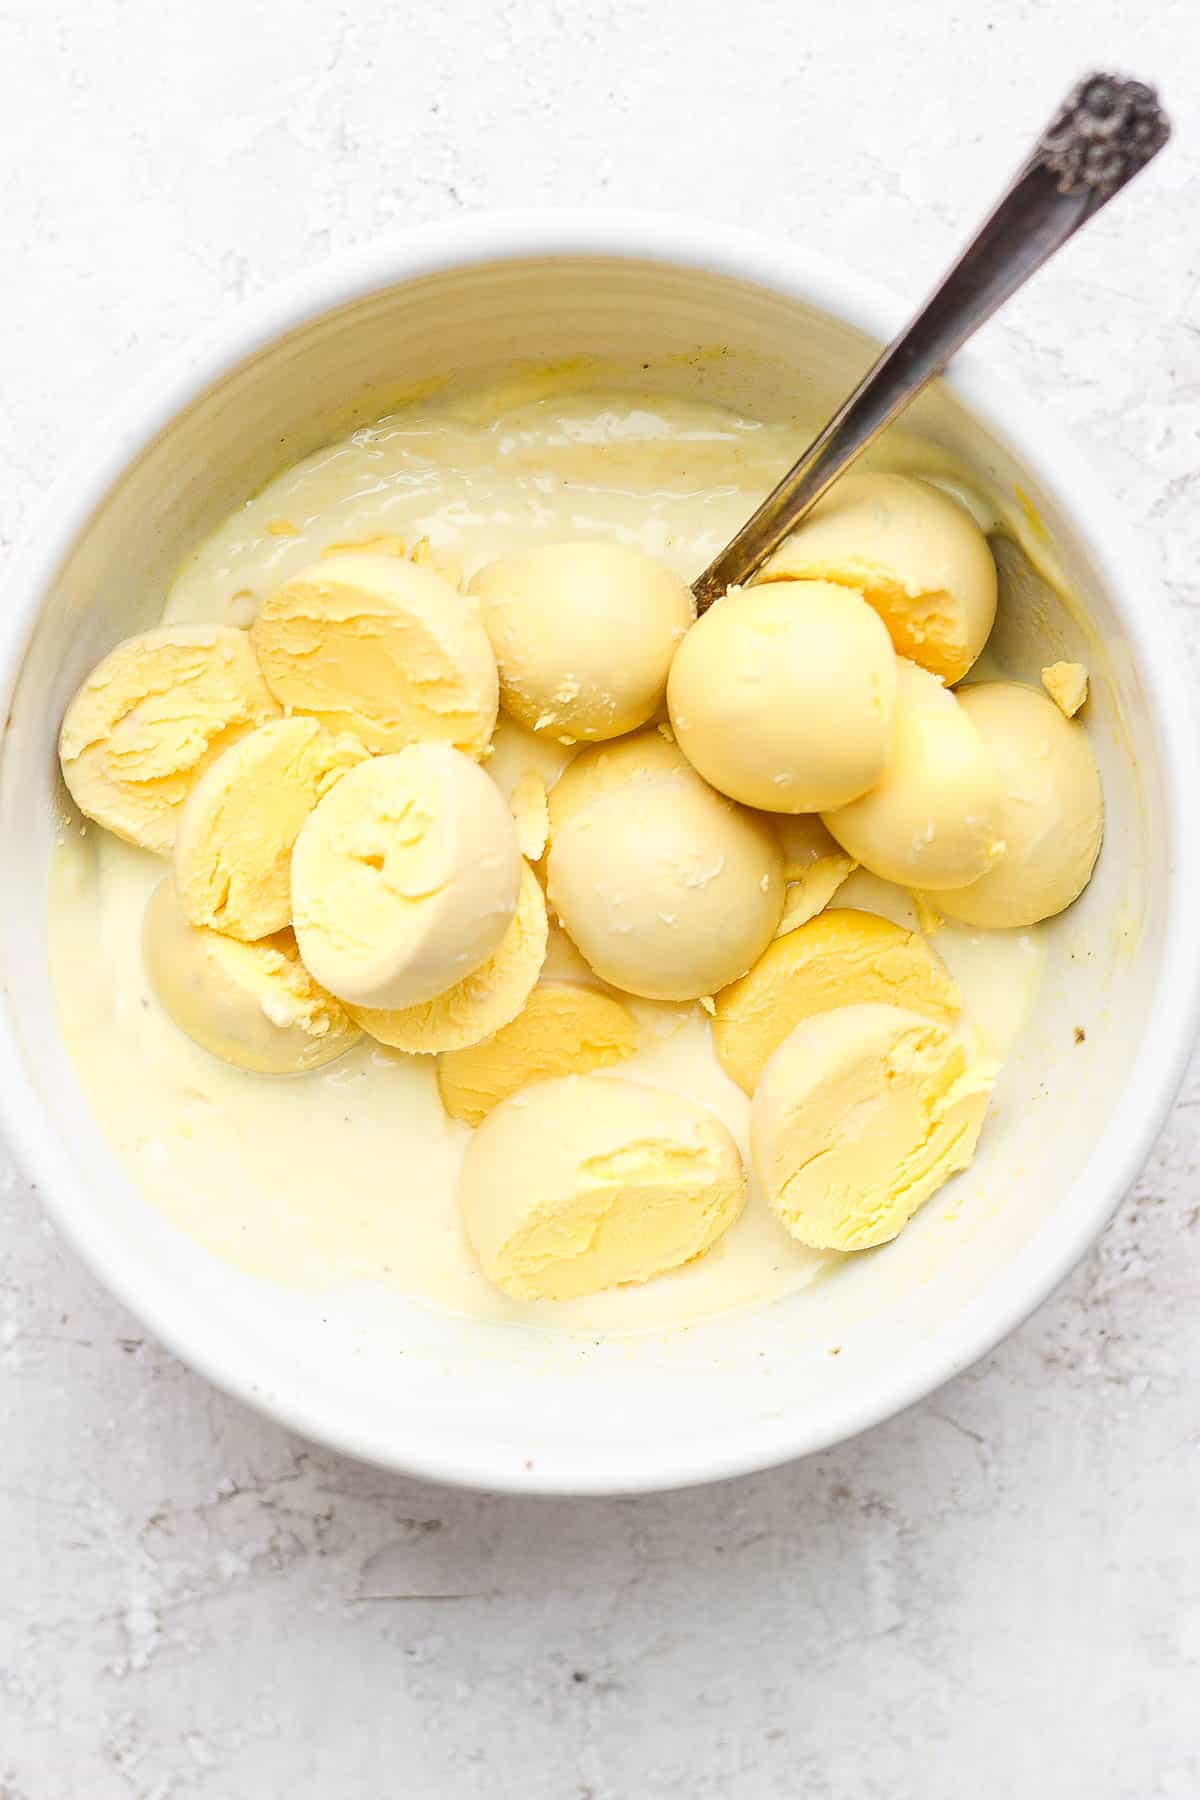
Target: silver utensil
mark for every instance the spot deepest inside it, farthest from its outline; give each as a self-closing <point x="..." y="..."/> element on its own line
<point x="1106" y="130"/>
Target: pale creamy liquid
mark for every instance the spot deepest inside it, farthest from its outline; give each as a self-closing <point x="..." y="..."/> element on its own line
<point x="350" y="1173"/>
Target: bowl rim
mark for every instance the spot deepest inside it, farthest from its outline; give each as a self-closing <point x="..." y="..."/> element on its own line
<point x="187" y="1329"/>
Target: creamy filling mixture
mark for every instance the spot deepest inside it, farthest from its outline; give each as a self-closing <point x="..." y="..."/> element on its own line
<point x="350" y="1172"/>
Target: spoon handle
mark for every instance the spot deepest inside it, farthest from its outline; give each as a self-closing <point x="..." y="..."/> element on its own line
<point x="1106" y="130"/>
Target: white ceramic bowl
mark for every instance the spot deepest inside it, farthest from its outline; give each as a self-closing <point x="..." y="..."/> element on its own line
<point x="383" y="1378"/>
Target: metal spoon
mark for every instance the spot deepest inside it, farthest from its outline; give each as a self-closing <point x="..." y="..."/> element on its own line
<point x="1106" y="130"/>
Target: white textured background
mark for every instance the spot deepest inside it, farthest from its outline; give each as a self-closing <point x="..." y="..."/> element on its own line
<point x="996" y="1595"/>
